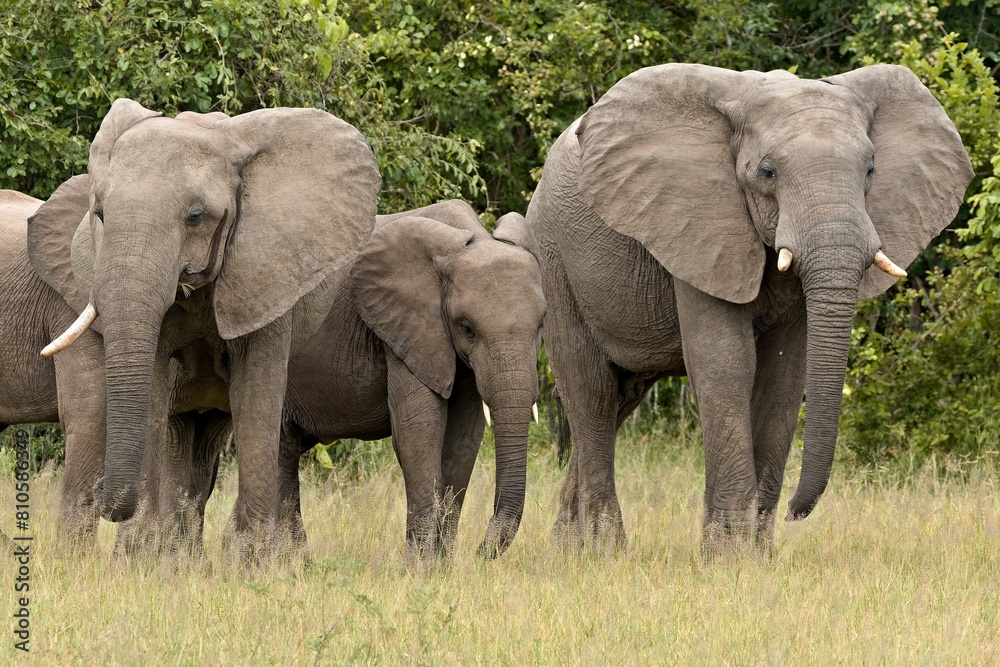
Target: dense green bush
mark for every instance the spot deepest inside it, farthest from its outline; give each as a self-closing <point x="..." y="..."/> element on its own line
<point x="64" y="63"/>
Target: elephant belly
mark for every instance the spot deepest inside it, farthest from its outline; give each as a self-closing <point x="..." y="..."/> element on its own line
<point x="27" y="381"/>
<point x="624" y="296"/>
<point x="337" y="385"/>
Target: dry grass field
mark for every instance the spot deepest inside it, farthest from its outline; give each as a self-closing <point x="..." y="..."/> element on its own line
<point x="882" y="574"/>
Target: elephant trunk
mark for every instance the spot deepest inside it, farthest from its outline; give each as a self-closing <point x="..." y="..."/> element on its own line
<point x="831" y="295"/>
<point x="509" y="387"/>
<point x="511" y="437"/>
<point x="131" y="326"/>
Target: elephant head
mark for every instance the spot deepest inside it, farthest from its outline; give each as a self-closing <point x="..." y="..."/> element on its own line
<point x="260" y="207"/>
<point x="445" y="294"/>
<point x="707" y="168"/>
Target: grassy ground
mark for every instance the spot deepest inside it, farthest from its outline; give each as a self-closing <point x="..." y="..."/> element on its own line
<point x="880" y="574"/>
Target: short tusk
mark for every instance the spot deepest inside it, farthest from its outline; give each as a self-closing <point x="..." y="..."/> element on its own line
<point x="74" y="331"/>
<point x="534" y="411"/>
<point x="486" y="412"/>
<point x="784" y="259"/>
<point x="887" y="265"/>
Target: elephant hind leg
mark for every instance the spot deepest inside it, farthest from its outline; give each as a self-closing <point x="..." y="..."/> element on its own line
<point x="212" y="431"/>
<point x="589" y="511"/>
<point x="289" y="504"/>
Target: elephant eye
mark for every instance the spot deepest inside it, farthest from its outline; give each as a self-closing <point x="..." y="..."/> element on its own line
<point x="99" y="212"/>
<point x="768" y="171"/>
<point x="871" y="169"/>
<point x="466" y="329"/>
<point x="194" y="215"/>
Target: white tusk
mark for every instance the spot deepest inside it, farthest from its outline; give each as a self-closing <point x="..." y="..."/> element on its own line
<point x="887" y="265"/>
<point x="486" y="412"/>
<point x="534" y="411"/>
<point x="82" y="323"/>
<point x="784" y="259"/>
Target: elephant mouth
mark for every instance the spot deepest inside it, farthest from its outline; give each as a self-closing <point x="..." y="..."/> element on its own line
<point x="192" y="278"/>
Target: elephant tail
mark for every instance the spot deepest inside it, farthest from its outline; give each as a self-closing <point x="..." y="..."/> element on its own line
<point x="563" y="436"/>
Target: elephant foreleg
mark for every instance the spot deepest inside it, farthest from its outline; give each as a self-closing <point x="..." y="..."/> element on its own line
<point x="720" y="358"/>
<point x="419" y="417"/>
<point x="777" y="397"/>
<point x="462" y="439"/>
<point x="82" y="401"/>
<point x="259" y="375"/>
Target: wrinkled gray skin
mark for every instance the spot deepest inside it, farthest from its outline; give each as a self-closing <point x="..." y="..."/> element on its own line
<point x="31" y="314"/>
<point x="439" y="318"/>
<point x="660" y="213"/>
<point x="252" y="216"/>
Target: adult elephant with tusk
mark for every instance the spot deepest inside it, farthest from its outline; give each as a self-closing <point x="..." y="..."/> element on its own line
<point x="227" y="230"/>
<point x="723" y="225"/>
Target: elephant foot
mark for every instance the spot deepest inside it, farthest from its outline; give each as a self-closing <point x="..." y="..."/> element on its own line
<point x="735" y="534"/>
<point x="427" y="534"/>
<point x="598" y="527"/>
<point x="78" y="525"/>
<point x="261" y="545"/>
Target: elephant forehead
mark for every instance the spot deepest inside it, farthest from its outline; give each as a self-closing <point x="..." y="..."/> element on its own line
<point x="507" y="277"/>
<point x="168" y="143"/>
<point x="799" y="100"/>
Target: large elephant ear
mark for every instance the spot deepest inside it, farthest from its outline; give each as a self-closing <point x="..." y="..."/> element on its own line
<point x="512" y="228"/>
<point x="657" y="165"/>
<point x="123" y="115"/>
<point x="50" y="238"/>
<point x="397" y="287"/>
<point x="309" y="190"/>
<point x="921" y="166"/>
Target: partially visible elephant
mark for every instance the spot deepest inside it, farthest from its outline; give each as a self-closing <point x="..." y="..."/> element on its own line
<point x="34" y="389"/>
<point x="436" y="319"/>
<point x="723" y="225"/>
<point x="229" y="231"/>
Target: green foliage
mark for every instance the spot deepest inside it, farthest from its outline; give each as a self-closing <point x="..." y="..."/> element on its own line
<point x="65" y="62"/>
<point x="348" y="459"/>
<point x="925" y="371"/>
<point x="46" y="444"/>
<point x="508" y="77"/>
<point x="984" y="231"/>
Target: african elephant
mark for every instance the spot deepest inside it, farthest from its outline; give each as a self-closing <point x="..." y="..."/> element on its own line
<point x="433" y="319"/>
<point x="722" y="225"/>
<point x="226" y="230"/>
<point x="33" y="388"/>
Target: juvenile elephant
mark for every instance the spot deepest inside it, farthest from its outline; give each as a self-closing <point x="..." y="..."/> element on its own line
<point x="434" y="318"/>
<point x="723" y="225"/>
<point x="34" y="389"/>
<point x="224" y="230"/>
